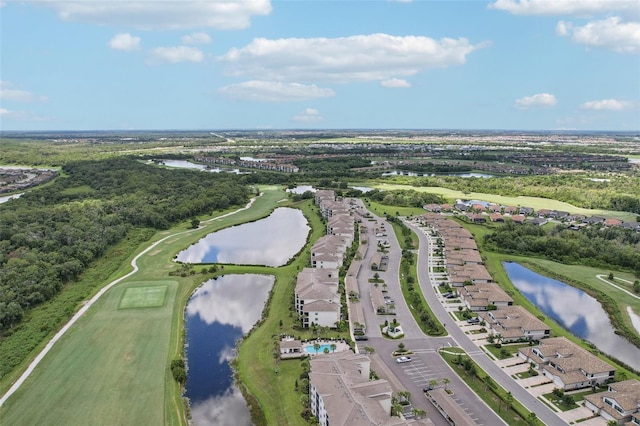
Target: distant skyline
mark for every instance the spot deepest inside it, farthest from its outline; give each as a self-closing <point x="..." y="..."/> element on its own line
<point x="261" y="64"/>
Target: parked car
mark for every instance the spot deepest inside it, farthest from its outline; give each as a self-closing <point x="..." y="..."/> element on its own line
<point x="473" y="320"/>
<point x="427" y="388"/>
<point x="362" y="337"/>
<point x="403" y="359"/>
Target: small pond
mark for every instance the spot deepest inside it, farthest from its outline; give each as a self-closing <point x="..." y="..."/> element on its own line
<point x="461" y="175"/>
<point x="271" y="241"/>
<point x="575" y="310"/>
<point x="6" y="198"/>
<point x="301" y="189"/>
<point x="217" y="315"/>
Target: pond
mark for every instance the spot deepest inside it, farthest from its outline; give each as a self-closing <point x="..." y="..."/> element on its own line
<point x="217" y="315"/>
<point x="9" y="197"/>
<point x="184" y="164"/>
<point x="301" y="189"/>
<point x="461" y="175"/>
<point x="575" y="310"/>
<point x="271" y="241"/>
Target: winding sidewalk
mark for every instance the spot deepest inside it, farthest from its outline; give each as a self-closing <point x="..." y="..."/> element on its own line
<point x="94" y="299"/>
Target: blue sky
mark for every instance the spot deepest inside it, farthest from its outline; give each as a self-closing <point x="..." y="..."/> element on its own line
<point x="270" y="64"/>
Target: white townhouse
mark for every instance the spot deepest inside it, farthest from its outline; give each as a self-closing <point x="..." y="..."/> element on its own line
<point x="515" y="323"/>
<point x="329" y="251"/>
<point x="568" y="365"/>
<point x="341" y="393"/>
<point x="620" y="403"/>
<point x="317" y="299"/>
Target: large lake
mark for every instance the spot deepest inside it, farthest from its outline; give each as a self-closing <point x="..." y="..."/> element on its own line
<point x="217" y="315"/>
<point x="575" y="310"/>
<point x="271" y="241"/>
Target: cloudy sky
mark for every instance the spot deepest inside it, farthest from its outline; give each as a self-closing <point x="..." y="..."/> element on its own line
<point x="271" y="64"/>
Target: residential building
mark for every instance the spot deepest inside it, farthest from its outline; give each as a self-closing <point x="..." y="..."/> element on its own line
<point x="568" y="365"/>
<point x="620" y="403"/>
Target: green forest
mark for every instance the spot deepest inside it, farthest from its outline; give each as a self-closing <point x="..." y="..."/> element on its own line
<point x="49" y="236"/>
<point x="613" y="247"/>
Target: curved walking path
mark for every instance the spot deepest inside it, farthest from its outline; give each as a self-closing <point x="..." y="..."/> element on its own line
<point x="601" y="277"/>
<point x="94" y="299"/>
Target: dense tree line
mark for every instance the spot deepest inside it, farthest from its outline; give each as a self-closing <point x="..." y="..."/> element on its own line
<point x="611" y="247"/>
<point x="616" y="192"/>
<point x="405" y="198"/>
<point x="51" y="235"/>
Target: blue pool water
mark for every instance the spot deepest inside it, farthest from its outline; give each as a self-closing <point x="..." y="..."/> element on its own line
<point x="311" y="350"/>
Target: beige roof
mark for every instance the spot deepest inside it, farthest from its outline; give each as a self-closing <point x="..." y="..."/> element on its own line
<point x="321" y="306"/>
<point x="350" y="398"/>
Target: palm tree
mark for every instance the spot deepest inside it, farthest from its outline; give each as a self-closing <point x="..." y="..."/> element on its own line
<point x="368" y="350"/>
<point x="445" y="382"/>
<point x="333" y="347"/>
<point x="433" y="383"/>
<point x="316" y="346"/>
<point x="418" y="413"/>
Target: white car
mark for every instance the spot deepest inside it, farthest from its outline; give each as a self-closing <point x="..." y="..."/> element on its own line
<point x="403" y="359"/>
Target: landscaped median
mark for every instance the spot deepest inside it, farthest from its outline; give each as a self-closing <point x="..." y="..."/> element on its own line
<point x="500" y="401"/>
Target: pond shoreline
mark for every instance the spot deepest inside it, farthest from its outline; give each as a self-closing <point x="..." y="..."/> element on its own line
<point x="608" y="305"/>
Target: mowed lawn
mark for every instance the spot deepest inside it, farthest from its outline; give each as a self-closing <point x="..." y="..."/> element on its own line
<point x="107" y="369"/>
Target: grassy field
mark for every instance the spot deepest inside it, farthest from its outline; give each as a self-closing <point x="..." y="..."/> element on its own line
<point x="104" y="371"/>
<point x="535" y="202"/>
<point x="112" y="367"/>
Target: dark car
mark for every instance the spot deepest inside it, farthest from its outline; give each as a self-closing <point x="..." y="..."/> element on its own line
<point x="362" y="337"/>
<point x="473" y="320"/>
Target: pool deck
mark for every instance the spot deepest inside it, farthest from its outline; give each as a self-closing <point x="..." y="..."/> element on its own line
<point x="340" y="346"/>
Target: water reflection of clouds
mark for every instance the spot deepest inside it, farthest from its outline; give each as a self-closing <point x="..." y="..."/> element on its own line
<point x="227" y="354"/>
<point x="228" y="409"/>
<point x="568" y="304"/>
<point x="236" y="300"/>
<point x="578" y="312"/>
<point x="271" y="241"/>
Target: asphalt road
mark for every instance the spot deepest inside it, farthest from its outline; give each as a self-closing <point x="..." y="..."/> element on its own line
<point x="427" y="364"/>
<point x="545" y="414"/>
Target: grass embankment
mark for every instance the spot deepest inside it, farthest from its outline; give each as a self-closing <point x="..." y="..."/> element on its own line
<point x="613" y="301"/>
<point x="535" y="202"/>
<point x="510" y="410"/>
<point x="270" y="380"/>
<point x="108" y="367"/>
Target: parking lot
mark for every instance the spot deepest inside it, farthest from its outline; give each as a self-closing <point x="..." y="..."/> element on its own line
<point x="421" y="374"/>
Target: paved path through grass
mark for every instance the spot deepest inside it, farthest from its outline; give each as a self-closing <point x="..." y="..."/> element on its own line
<point x="94" y="299"/>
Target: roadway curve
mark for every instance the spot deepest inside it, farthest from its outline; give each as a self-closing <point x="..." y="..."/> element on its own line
<point x="520" y="394"/>
<point x="94" y="299"/>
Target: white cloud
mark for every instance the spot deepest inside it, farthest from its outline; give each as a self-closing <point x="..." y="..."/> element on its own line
<point x="537" y="101"/>
<point x="177" y="54"/>
<point x="196" y="38"/>
<point x="607" y="104"/>
<point x="308" y="116"/>
<point x="274" y="91"/>
<point x="160" y="14"/>
<point x="124" y="41"/>
<point x="563" y="28"/>
<point x="354" y="58"/>
<point x="565" y="7"/>
<point x="9" y="93"/>
<point x="395" y="83"/>
<point x="610" y="33"/>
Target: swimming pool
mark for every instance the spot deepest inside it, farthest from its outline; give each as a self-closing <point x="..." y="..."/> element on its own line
<point x="311" y="350"/>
